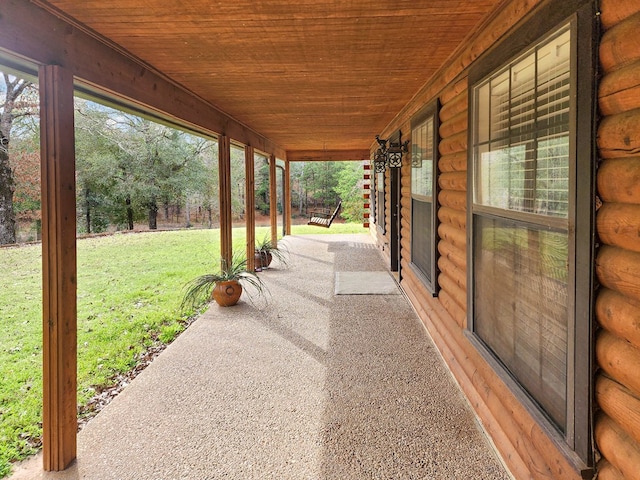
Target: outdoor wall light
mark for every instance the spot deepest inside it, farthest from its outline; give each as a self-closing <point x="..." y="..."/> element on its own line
<point x="389" y="154"/>
<point x="396" y="151"/>
<point x="380" y="157"/>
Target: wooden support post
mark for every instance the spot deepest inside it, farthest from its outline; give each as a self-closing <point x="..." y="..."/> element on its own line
<point x="224" y="180"/>
<point x="250" y="205"/>
<point x="287" y="199"/>
<point x="273" y="200"/>
<point x="59" y="308"/>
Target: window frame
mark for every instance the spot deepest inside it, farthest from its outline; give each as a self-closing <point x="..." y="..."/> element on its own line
<point x="380" y="202"/>
<point x="429" y="112"/>
<point x="576" y="442"/>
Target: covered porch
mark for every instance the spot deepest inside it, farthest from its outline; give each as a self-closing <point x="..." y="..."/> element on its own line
<point x="294" y="82"/>
<point x="309" y="385"/>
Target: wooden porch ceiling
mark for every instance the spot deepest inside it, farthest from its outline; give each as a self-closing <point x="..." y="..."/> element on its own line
<point x="310" y="75"/>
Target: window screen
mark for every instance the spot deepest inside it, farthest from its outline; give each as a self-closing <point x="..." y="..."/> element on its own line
<point x="521" y="207"/>
<point x="423" y="227"/>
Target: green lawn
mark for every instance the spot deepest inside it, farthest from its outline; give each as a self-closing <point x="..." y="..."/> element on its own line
<point x="129" y="293"/>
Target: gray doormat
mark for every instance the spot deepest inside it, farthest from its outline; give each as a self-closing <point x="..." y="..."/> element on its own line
<point x="365" y="283"/>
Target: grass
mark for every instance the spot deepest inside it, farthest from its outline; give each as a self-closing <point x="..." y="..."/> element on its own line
<point x="129" y="294"/>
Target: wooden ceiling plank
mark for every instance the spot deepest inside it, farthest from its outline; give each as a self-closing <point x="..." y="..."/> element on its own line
<point x="100" y="67"/>
<point x="307" y="62"/>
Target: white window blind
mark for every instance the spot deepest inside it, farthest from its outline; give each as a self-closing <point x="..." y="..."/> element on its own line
<point x="522" y="137"/>
<point x="520" y="219"/>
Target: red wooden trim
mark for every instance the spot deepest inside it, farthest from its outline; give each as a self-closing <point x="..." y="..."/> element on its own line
<point x="366" y="196"/>
<point x="59" y="272"/>
<point x="366" y="186"/>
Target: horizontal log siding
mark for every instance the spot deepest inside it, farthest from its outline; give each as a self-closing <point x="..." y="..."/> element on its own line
<point x="616" y="445"/>
<point x="387" y="213"/>
<point x="613" y="12"/>
<point x="523" y="444"/>
<point x="405" y="210"/>
<point x="453" y="195"/>
<point x="617" y="428"/>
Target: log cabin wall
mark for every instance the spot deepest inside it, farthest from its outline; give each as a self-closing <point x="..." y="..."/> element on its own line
<point x="525" y="446"/>
<point x="617" y="424"/>
<point x="387" y="214"/>
<point x="453" y="201"/>
<point x="405" y="207"/>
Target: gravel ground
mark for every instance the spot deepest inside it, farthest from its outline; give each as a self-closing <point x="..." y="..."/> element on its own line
<point x="307" y="386"/>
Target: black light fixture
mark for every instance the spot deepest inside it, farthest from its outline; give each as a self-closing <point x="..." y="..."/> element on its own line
<point x="389" y="156"/>
<point x="396" y="151"/>
<point x="380" y="157"/>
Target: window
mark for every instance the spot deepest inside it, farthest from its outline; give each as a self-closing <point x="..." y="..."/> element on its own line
<point x="424" y="193"/>
<point x="379" y="199"/>
<point x="531" y="219"/>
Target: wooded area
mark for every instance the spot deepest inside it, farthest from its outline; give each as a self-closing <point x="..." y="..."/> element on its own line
<point x="134" y="173"/>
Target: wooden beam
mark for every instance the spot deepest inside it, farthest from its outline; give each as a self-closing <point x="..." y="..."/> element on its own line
<point x="59" y="272"/>
<point x="250" y="205"/>
<point x="287" y="198"/>
<point x="224" y="182"/>
<point x="273" y="200"/>
<point x="102" y="69"/>
<point x="327" y="155"/>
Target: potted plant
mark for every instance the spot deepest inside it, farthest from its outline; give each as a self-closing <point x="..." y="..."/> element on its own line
<point x="266" y="252"/>
<point x="223" y="285"/>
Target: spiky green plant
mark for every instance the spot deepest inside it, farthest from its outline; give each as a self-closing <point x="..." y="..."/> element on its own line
<point x="265" y="247"/>
<point x="198" y="290"/>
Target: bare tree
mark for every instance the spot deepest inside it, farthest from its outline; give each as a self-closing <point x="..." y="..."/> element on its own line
<point x="10" y="109"/>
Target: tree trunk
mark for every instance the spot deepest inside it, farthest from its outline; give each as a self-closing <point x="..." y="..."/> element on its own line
<point x="14" y="87"/>
<point x="129" y="213"/>
<point x="87" y="206"/>
<point x="187" y="214"/>
<point x="300" y="199"/>
<point x="153" y="216"/>
<point x="7" y="187"/>
<point x="166" y="211"/>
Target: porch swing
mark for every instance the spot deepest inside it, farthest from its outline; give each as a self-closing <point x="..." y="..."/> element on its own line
<point x="324" y="217"/>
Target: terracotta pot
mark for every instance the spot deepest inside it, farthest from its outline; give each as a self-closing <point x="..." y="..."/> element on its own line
<point x="263" y="259"/>
<point x="227" y="293"/>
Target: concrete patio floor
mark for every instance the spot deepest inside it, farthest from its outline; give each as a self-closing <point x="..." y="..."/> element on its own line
<point x="310" y="385"/>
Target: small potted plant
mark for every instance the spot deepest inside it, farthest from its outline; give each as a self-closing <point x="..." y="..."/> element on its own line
<point x="223" y="285"/>
<point x="266" y="252"/>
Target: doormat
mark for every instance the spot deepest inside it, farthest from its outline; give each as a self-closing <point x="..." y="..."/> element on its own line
<point x="365" y="283"/>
